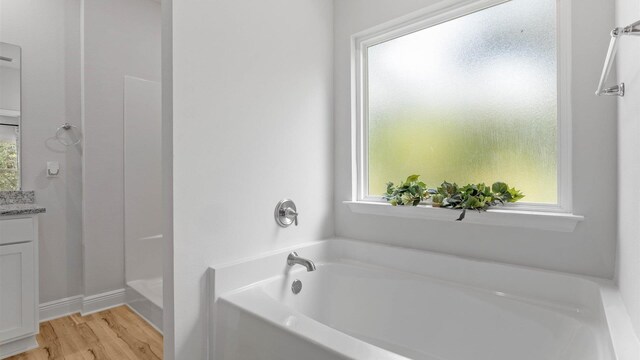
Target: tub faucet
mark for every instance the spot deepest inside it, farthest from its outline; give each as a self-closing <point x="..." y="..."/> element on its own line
<point x="293" y="259"/>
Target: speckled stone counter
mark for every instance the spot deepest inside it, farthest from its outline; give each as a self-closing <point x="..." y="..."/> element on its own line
<point x="19" y="203"/>
<point x="21" y="209"/>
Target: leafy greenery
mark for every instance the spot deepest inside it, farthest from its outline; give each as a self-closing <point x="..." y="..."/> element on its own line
<point x="8" y="166"/>
<point x="476" y="196"/>
<point x="410" y="192"/>
<point x="449" y="195"/>
<point x="437" y="200"/>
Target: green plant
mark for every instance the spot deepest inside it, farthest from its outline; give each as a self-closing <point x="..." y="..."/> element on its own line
<point x="410" y="192"/>
<point x="476" y="196"/>
<point x="437" y="200"/>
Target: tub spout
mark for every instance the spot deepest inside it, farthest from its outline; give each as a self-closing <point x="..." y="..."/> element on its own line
<point x="293" y="259"/>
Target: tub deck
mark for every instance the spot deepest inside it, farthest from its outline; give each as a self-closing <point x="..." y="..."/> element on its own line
<point x="369" y="301"/>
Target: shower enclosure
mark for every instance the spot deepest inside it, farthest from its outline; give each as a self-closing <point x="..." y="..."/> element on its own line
<point x="142" y="198"/>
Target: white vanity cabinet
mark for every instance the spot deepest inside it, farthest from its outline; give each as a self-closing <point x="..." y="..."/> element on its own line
<point x="18" y="283"/>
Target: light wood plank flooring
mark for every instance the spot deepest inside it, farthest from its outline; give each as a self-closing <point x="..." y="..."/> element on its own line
<point x="115" y="334"/>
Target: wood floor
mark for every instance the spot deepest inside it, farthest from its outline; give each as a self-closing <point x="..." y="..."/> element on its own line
<point x="115" y="334"/>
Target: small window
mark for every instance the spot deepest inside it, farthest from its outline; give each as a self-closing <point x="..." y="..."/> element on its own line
<point x="467" y="97"/>
<point x="9" y="170"/>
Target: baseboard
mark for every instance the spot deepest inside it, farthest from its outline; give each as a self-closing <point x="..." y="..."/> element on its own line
<point x="18" y="346"/>
<point x="106" y="300"/>
<point x="59" y="308"/>
<point x="81" y="304"/>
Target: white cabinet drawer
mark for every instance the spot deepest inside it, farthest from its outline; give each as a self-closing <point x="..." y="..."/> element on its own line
<point x="16" y="230"/>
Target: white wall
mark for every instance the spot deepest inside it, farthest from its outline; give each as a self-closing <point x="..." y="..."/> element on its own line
<point x="121" y="37"/>
<point x="590" y="249"/>
<point x="49" y="33"/>
<point x="628" y="68"/>
<point x="252" y="124"/>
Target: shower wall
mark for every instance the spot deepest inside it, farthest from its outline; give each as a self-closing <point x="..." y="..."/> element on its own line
<point x="142" y="180"/>
<point x="143" y="240"/>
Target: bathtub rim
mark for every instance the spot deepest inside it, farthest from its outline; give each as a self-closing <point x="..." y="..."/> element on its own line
<point x="224" y="278"/>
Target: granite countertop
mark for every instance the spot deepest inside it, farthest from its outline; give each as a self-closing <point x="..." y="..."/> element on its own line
<point x="19" y="203"/>
<point x="21" y="209"/>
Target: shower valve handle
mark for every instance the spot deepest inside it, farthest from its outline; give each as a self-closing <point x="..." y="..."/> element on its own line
<point x="291" y="213"/>
<point x="286" y="213"/>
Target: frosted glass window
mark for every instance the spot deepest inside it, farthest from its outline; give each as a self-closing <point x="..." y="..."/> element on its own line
<point x="470" y="100"/>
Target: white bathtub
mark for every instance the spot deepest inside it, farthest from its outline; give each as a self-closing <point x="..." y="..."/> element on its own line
<point x="370" y="301"/>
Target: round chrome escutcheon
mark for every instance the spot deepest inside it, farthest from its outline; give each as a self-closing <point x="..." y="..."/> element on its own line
<point x="296" y="287"/>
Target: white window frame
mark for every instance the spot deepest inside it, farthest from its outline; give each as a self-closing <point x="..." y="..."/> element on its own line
<point x="434" y="15"/>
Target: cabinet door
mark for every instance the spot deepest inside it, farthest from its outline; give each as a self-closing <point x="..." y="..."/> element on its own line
<point x="17" y="291"/>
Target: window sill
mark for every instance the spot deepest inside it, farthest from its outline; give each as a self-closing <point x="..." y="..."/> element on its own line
<point x="553" y="221"/>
